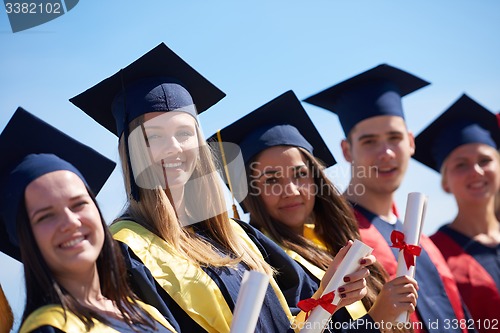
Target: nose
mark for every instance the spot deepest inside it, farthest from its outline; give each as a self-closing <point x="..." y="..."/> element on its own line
<point x="172" y="147"/>
<point x="291" y="189"/>
<point x="386" y="152"/>
<point x="478" y="169"/>
<point x="70" y="220"/>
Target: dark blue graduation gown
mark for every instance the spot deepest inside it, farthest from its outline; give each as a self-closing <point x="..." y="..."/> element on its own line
<point x="293" y="281"/>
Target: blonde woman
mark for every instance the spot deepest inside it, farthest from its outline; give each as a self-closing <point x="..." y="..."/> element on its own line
<point x="176" y="221"/>
<point x="465" y="140"/>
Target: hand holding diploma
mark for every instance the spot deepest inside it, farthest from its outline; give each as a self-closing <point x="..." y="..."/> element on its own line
<point x="345" y="284"/>
<point x="408" y="240"/>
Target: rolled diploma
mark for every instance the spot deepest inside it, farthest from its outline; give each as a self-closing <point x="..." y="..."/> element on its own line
<point x="319" y="317"/>
<point x="249" y="302"/>
<point x="412" y="228"/>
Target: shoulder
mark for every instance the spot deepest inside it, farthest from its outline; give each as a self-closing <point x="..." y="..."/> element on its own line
<point x="47" y="319"/>
<point x="45" y="329"/>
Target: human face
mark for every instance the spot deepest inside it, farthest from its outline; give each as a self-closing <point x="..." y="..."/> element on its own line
<point x="286" y="185"/>
<point x="472" y="172"/>
<point x="379" y="150"/>
<point x="65" y="221"/>
<point x="173" y="142"/>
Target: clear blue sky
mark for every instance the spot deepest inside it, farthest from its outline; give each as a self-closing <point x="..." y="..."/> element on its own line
<point x="254" y="51"/>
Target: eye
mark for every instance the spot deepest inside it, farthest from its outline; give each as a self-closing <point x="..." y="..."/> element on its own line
<point x="42" y="218"/>
<point x="484" y="161"/>
<point x="460" y="165"/>
<point x="184" y="135"/>
<point x="79" y="205"/>
<point x="395" y="138"/>
<point x="368" y="142"/>
<point x="302" y="173"/>
<point x="152" y="136"/>
<point x="271" y="180"/>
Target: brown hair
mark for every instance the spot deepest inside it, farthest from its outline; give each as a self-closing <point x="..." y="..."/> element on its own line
<point x="334" y="222"/>
<point x="43" y="289"/>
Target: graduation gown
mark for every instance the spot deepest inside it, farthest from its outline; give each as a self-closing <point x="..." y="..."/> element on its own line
<point x="476" y="269"/>
<point x="203" y="299"/>
<point x="51" y="319"/>
<point x="348" y="313"/>
<point x="439" y="306"/>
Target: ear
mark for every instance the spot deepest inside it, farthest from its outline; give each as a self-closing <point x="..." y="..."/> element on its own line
<point x="444" y="184"/>
<point x="411" y="138"/>
<point x="346" y="150"/>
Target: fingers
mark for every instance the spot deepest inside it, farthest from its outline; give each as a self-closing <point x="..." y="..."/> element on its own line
<point x="335" y="264"/>
<point x="352" y="292"/>
<point x="402" y="286"/>
<point x="357" y="275"/>
<point x="368" y="260"/>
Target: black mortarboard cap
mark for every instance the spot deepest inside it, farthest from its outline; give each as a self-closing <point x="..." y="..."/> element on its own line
<point x="31" y="148"/>
<point x="375" y="92"/>
<point x="465" y="121"/>
<point x="158" y="81"/>
<point x="282" y="121"/>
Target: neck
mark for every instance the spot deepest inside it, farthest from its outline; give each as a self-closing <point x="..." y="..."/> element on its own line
<point x="84" y="287"/>
<point x="473" y="220"/>
<point x="377" y="203"/>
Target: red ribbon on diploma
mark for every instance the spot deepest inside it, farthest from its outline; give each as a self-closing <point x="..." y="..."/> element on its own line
<point x="325" y="301"/>
<point x="409" y="251"/>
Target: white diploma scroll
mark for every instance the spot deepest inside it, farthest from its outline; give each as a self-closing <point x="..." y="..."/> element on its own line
<point x="249" y="302"/>
<point x="319" y="317"/>
<point x="412" y="228"/>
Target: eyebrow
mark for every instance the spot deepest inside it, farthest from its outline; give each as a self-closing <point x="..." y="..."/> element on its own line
<point x="372" y="136"/>
<point x="272" y="172"/>
<point x="48" y="208"/>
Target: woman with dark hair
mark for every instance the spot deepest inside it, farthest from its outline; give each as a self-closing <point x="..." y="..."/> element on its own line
<point x="176" y="221"/>
<point x="74" y="271"/>
<point x="291" y="200"/>
<point x="465" y="141"/>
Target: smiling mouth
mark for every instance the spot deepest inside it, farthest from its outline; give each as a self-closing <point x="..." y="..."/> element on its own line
<point x="72" y="242"/>
<point x="477" y="185"/>
<point x="172" y="165"/>
<point x="291" y="206"/>
<point x="386" y="170"/>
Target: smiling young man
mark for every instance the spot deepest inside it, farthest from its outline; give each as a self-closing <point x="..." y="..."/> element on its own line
<point x="379" y="146"/>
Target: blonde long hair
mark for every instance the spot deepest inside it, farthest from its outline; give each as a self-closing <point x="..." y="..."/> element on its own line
<point x="156" y="212"/>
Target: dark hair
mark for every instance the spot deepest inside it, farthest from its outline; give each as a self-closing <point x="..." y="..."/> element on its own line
<point x="43" y="289"/>
<point x="334" y="222"/>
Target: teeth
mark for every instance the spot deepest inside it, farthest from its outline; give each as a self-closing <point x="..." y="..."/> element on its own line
<point x="72" y="242"/>
<point x="476" y="185"/>
<point x="173" y="165"/>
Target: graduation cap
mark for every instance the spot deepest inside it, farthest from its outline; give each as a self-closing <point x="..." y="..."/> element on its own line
<point x="158" y="81"/>
<point x="375" y="92"/>
<point x="281" y="122"/>
<point x="30" y="148"/>
<point x="465" y="121"/>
